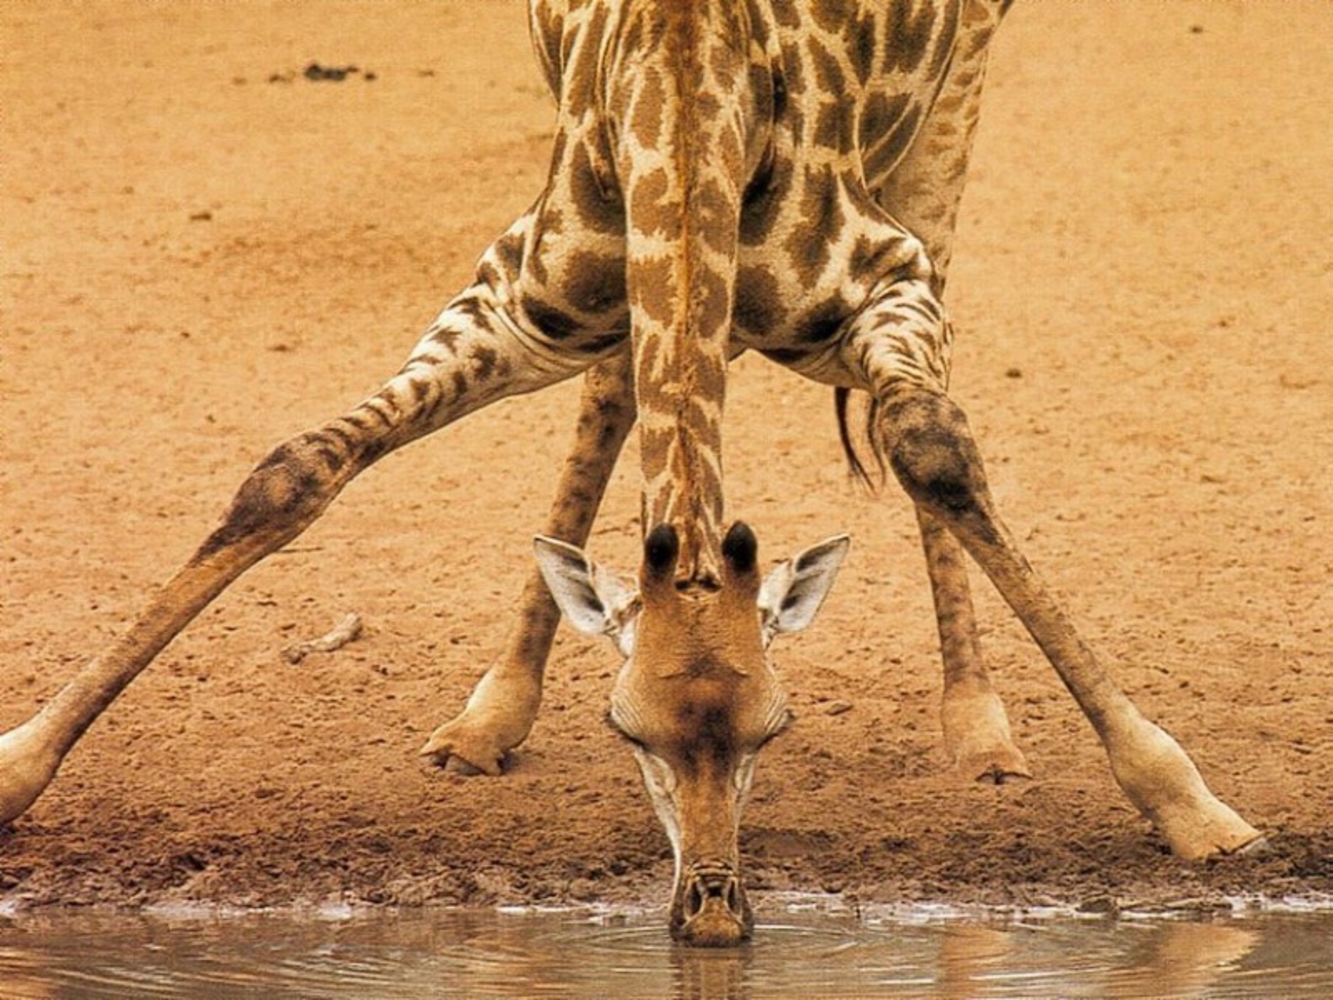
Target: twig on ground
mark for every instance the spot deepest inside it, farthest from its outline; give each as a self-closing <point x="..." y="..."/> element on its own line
<point x="344" y="632"/>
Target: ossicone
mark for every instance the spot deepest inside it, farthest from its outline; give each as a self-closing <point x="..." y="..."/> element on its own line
<point x="661" y="549"/>
<point x="740" y="548"/>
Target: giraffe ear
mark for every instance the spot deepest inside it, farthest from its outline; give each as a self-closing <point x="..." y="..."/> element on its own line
<point x="792" y="593"/>
<point x="592" y="598"/>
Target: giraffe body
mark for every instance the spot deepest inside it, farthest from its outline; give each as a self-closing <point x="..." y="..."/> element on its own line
<point x="804" y="177"/>
<point x="781" y="176"/>
<point x="759" y="163"/>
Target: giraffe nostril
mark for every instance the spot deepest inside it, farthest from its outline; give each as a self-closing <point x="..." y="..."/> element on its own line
<point x="694" y="902"/>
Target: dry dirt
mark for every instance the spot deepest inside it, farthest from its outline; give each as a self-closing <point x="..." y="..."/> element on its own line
<point x="205" y="252"/>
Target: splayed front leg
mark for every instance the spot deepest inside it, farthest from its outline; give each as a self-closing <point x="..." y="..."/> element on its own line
<point x="469" y="359"/>
<point x="28" y="763"/>
<point x="503" y="707"/>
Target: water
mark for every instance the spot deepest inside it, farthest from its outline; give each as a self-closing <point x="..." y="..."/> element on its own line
<point x="799" y="951"/>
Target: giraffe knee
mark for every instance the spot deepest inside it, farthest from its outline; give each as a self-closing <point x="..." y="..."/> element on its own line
<point x="933" y="455"/>
<point x="282" y="495"/>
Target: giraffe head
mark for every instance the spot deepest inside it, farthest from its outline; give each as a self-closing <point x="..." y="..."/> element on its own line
<point x="696" y="698"/>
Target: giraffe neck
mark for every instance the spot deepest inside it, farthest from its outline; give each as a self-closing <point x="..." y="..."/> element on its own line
<point x="679" y="97"/>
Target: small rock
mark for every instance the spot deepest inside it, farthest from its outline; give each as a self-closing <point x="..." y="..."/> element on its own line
<point x="315" y="73"/>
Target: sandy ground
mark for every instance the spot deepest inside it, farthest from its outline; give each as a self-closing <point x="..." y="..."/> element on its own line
<point x="204" y="252"/>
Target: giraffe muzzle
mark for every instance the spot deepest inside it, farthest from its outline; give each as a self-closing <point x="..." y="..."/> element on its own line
<point x="710" y="909"/>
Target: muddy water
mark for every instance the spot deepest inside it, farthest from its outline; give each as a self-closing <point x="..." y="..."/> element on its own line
<point x="800" y="950"/>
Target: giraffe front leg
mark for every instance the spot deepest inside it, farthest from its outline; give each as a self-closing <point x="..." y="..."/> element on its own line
<point x="502" y="708"/>
<point x="471" y="357"/>
<point x="275" y="503"/>
<point x="976" y="727"/>
<point x="897" y="348"/>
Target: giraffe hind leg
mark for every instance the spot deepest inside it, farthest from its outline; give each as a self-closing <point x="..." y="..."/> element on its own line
<point x="976" y="727"/>
<point x="935" y="459"/>
<point x="502" y="708"/>
<point x="469" y="359"/>
<point x="926" y="440"/>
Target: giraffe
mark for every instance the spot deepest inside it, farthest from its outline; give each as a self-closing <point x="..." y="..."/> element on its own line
<point x="781" y="176"/>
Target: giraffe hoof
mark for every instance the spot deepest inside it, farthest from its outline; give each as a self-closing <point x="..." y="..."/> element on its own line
<point x="1255" y="848"/>
<point x="997" y="775"/>
<point x="1000" y="765"/>
<point x="977" y="734"/>
<point x="457" y="754"/>
<point x="457" y="765"/>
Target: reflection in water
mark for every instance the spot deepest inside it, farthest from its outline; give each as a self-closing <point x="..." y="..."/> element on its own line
<point x="711" y="974"/>
<point x="577" y="954"/>
<point x="1191" y="956"/>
